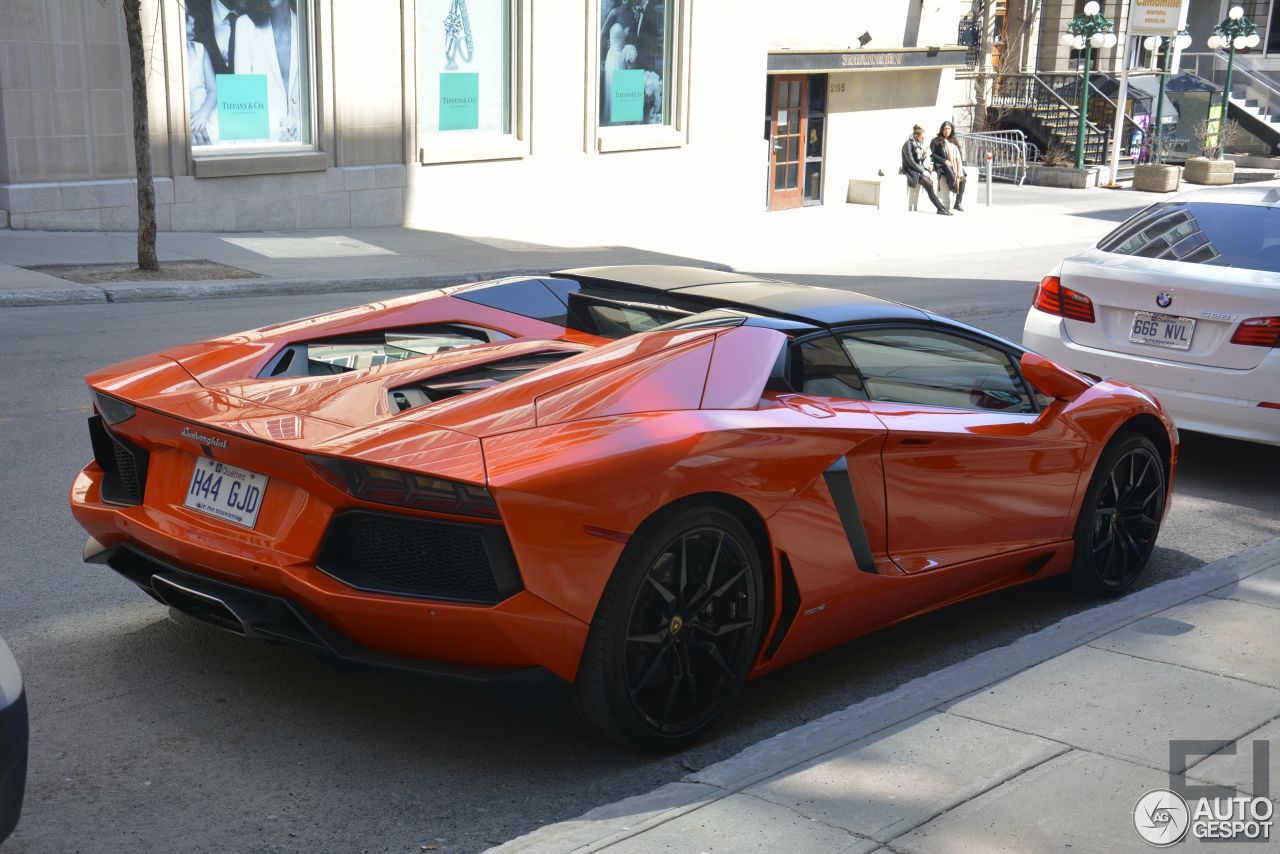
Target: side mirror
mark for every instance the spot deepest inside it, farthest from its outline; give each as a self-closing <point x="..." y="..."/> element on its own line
<point x="1052" y="379"/>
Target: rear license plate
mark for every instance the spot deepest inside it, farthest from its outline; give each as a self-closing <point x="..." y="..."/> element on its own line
<point x="229" y="493"/>
<point x="1162" y="330"/>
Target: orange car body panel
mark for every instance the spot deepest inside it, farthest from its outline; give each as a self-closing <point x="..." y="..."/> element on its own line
<point x="578" y="455"/>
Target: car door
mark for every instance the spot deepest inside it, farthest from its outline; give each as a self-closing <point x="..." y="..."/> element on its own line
<point x="974" y="464"/>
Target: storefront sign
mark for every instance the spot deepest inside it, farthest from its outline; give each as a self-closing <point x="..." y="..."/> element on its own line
<point x="867" y="60"/>
<point x="242" y="106"/>
<point x="628" y="96"/>
<point x="1156" y="17"/>
<point x="1212" y="125"/>
<point x="459" y="101"/>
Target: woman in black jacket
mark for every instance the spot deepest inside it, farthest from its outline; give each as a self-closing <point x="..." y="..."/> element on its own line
<point x="915" y="165"/>
<point x="948" y="161"/>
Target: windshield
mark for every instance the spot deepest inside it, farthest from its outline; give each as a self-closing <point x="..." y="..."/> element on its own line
<point x="1246" y="236"/>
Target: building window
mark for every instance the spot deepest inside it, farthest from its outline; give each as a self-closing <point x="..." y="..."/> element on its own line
<point x="464" y="66"/>
<point x="637" y="56"/>
<point x="249" y="76"/>
<point x="635" y="62"/>
<point x="471" y="68"/>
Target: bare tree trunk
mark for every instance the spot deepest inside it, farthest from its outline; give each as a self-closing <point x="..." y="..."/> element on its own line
<point x="141" y="138"/>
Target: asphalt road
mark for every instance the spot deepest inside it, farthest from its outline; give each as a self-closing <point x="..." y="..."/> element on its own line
<point x="151" y="735"/>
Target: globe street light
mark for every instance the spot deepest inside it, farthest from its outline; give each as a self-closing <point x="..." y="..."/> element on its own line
<point x="1152" y="43"/>
<point x="1235" y="32"/>
<point x="1085" y="31"/>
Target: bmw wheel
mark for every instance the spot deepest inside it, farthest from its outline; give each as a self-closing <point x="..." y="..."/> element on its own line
<point x="676" y="631"/>
<point x="1120" y="517"/>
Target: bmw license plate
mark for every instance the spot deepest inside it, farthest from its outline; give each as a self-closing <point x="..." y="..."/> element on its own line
<point x="228" y="492"/>
<point x="1162" y="330"/>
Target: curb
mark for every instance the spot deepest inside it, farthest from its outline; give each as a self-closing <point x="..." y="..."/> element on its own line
<point x="228" y="288"/>
<point x="610" y="824"/>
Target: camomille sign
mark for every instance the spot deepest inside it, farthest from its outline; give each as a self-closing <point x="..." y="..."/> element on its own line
<point x="1156" y="17"/>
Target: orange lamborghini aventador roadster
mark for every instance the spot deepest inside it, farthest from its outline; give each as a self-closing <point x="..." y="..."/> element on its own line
<point x="654" y="482"/>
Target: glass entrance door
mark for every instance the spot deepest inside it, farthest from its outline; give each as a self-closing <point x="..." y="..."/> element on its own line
<point x="788" y="121"/>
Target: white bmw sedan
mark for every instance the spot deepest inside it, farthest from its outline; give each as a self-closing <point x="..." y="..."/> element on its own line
<point x="1182" y="299"/>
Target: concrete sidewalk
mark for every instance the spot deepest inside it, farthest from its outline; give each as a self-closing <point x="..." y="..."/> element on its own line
<point x="835" y="238"/>
<point x="1044" y="745"/>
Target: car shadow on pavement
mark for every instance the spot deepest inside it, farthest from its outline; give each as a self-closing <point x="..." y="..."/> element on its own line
<point x="229" y="739"/>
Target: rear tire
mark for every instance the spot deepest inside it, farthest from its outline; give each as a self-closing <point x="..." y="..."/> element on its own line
<point x="1119" y="517"/>
<point x="675" y="633"/>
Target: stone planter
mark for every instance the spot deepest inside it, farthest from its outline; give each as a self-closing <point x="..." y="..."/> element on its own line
<point x="1202" y="170"/>
<point x="1062" y="176"/>
<point x="1154" y="178"/>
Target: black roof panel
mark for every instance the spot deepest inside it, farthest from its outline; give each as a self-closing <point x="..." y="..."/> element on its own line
<point x="715" y="288"/>
<point x="658" y="277"/>
<point x="823" y="306"/>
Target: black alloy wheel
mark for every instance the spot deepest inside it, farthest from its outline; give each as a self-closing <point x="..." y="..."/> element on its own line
<point x="676" y="631"/>
<point x="1120" y="517"/>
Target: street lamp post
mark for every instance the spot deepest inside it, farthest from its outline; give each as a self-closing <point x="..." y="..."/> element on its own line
<point x="1152" y="43"/>
<point x="1087" y="30"/>
<point x="1235" y="32"/>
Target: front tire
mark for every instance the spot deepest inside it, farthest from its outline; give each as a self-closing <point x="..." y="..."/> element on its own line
<point x="676" y="631"/>
<point x="1120" y="517"/>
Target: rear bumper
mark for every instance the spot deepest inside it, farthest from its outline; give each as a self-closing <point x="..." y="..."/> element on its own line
<point x="1221" y="401"/>
<point x="272" y="596"/>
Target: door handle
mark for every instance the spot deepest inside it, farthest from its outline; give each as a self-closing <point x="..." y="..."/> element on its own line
<point x="915" y="441"/>
<point x="807" y="405"/>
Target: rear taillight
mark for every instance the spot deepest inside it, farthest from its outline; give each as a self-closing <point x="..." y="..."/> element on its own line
<point x="383" y="485"/>
<point x="1258" y="332"/>
<point x="112" y="411"/>
<point x="1052" y="298"/>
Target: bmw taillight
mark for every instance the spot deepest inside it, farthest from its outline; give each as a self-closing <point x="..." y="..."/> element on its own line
<point x="382" y="485"/>
<point x="1052" y="298"/>
<point x="1258" y="332"/>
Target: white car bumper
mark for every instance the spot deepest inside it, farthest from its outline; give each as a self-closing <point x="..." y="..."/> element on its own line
<point x="1221" y="401"/>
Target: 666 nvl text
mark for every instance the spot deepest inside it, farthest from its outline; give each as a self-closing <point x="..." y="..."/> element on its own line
<point x="1152" y="329"/>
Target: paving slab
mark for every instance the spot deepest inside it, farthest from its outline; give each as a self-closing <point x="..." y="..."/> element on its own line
<point x="1260" y="589"/>
<point x="1079" y="801"/>
<point x="1236" y="768"/>
<point x="1122" y="706"/>
<point x="615" y="822"/>
<point x="740" y="824"/>
<point x="885" y="785"/>
<point x="1236" y="639"/>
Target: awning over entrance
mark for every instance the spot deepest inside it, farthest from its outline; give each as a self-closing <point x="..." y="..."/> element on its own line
<point x="1143" y="88"/>
<point x="792" y="61"/>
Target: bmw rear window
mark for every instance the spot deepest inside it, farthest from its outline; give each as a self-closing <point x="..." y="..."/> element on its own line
<point x="1246" y="236"/>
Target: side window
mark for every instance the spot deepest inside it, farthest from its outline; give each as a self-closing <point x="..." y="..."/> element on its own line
<point x="936" y="368"/>
<point x="533" y="298"/>
<point x="824" y="369"/>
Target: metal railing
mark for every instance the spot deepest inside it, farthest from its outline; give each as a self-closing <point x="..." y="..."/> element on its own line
<point x="1009" y="149"/>
<point x="1102" y="111"/>
<point x="1213" y="66"/>
<point x="1134" y="139"/>
<point x="1048" y="94"/>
